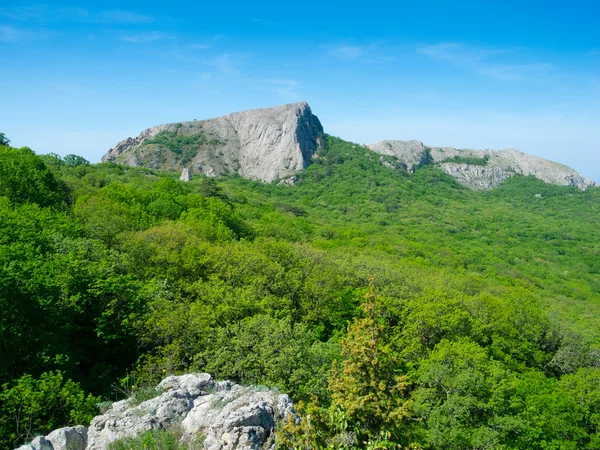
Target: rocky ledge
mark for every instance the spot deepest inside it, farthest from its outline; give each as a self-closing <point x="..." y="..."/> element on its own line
<point x="221" y="415"/>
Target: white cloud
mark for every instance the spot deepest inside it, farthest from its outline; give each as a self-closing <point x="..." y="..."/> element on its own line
<point x="360" y="53"/>
<point x="120" y="16"/>
<point x="142" y="38"/>
<point x="284" y="88"/>
<point x="228" y="64"/>
<point x="12" y="35"/>
<point x="44" y="13"/>
<point x="481" y="61"/>
<point x="348" y="52"/>
<point x="199" y="46"/>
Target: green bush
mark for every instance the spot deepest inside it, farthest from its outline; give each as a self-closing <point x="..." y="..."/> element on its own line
<point x="24" y="178"/>
<point x="30" y="406"/>
<point x="472" y="160"/>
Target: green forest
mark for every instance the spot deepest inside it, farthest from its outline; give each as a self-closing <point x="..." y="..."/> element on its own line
<point x="397" y="309"/>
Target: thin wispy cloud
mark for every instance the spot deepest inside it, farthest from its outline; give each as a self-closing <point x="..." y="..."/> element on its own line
<point x="482" y="61"/>
<point x="348" y="52"/>
<point x="12" y="35"/>
<point x="229" y="64"/>
<point x="44" y="13"/>
<point x="120" y="16"/>
<point x="359" y="53"/>
<point x="512" y="72"/>
<point x="593" y="52"/>
<point x="143" y="38"/>
<point x="198" y="46"/>
<point x="454" y="52"/>
<point x="283" y="87"/>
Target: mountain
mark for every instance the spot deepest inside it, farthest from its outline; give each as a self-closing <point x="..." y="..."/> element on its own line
<point x="261" y="144"/>
<point x="481" y="169"/>
<point x="277" y="143"/>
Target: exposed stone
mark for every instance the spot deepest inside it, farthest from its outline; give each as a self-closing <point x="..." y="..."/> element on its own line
<point x="498" y="166"/>
<point x="229" y="416"/>
<point x="39" y="443"/>
<point x="68" y="438"/>
<point x="262" y="144"/>
<point x="226" y="415"/>
<point x="185" y="175"/>
<point x="411" y="154"/>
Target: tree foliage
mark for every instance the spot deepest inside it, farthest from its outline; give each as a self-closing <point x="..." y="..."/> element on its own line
<point x="30" y="406"/>
<point x="401" y="309"/>
<point x="24" y="178"/>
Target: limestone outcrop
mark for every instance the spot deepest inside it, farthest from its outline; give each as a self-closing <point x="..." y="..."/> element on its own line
<point x="261" y="144"/>
<point x="185" y="175"/>
<point x="214" y="415"/>
<point x="481" y="169"/>
<point x="68" y="438"/>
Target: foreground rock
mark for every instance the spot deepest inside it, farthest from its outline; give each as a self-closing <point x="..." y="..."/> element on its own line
<point x="494" y="166"/>
<point x="261" y="144"/>
<point x="68" y="438"/>
<point x="225" y="416"/>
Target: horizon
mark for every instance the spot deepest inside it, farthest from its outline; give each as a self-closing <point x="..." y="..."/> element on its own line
<point x="500" y="75"/>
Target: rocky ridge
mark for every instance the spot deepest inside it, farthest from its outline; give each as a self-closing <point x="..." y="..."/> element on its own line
<point x="261" y="144"/>
<point x="481" y="169"/>
<point x="278" y="143"/>
<point x="213" y="415"/>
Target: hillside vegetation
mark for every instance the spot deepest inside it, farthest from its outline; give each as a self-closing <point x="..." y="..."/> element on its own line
<point x="399" y="309"/>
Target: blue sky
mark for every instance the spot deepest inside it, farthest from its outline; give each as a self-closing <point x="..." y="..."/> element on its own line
<point x="78" y="77"/>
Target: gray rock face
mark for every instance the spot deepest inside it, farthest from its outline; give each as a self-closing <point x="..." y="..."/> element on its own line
<point x="495" y="165"/>
<point x="68" y="438"/>
<point x="411" y="154"/>
<point x="262" y="144"/>
<point x="185" y="175"/>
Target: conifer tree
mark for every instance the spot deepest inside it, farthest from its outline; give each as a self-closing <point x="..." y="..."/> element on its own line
<point x="369" y="387"/>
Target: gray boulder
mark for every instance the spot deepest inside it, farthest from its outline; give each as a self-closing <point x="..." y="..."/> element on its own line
<point x="68" y="438"/>
<point x="226" y="415"/>
<point x="185" y="175"/>
<point x="39" y="443"/>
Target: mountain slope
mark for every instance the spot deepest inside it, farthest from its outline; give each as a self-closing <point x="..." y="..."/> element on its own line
<point x="492" y="296"/>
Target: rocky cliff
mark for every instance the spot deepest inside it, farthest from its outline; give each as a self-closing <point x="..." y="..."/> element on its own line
<point x="480" y="169"/>
<point x="262" y="144"/>
<point x="208" y="414"/>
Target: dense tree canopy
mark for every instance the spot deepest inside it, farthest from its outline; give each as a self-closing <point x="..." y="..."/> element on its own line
<point x="397" y="308"/>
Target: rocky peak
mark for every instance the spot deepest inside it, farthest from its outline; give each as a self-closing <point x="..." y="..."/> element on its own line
<point x="481" y="169"/>
<point x="262" y="144"/>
